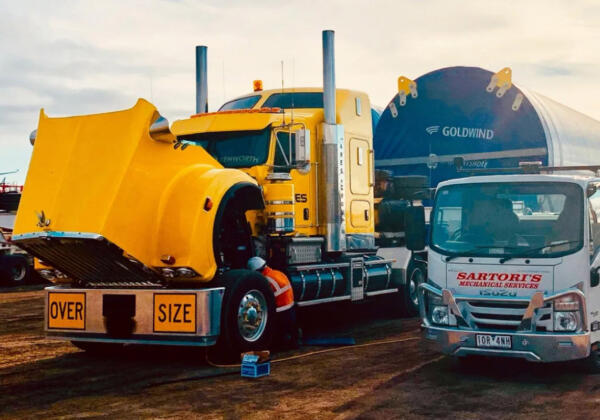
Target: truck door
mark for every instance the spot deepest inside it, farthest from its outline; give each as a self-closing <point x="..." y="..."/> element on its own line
<point x="361" y="168"/>
<point x="593" y="296"/>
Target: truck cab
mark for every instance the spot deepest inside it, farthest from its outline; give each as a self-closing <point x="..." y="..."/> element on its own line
<point x="513" y="267"/>
<point x="276" y="137"/>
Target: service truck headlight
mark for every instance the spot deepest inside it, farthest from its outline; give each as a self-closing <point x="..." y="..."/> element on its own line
<point x="439" y="315"/>
<point x="565" y="321"/>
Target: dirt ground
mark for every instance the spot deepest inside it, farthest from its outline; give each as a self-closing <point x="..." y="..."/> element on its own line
<point x="41" y="378"/>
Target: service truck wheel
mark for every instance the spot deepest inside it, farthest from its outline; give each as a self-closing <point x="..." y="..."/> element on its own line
<point x="592" y="362"/>
<point x="247" y="313"/>
<point x="416" y="273"/>
<point x="466" y="363"/>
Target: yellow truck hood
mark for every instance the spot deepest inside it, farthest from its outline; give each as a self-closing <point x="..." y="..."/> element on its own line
<point x="104" y="174"/>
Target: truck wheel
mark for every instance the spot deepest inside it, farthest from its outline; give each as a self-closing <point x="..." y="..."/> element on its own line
<point x="16" y="269"/>
<point x="416" y="273"/>
<point x="247" y="313"/>
<point x="592" y="363"/>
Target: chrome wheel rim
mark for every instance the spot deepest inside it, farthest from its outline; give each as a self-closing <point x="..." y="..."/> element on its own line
<point x="416" y="278"/>
<point x="252" y="315"/>
<point x="18" y="273"/>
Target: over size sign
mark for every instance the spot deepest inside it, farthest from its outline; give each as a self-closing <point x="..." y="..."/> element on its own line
<point x="66" y="311"/>
<point x="174" y="313"/>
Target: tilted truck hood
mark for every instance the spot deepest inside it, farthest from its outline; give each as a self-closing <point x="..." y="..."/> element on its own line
<point x="104" y="174"/>
<point x="500" y="280"/>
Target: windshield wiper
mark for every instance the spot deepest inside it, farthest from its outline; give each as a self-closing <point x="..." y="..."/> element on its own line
<point x="534" y="250"/>
<point x="476" y="248"/>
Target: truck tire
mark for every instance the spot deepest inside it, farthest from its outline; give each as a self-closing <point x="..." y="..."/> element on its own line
<point x="592" y="362"/>
<point x="416" y="273"/>
<point x="466" y="363"/>
<point x="247" y="314"/>
<point x="15" y="269"/>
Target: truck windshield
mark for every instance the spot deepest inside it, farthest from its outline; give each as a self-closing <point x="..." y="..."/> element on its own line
<point x="241" y="103"/>
<point x="529" y="219"/>
<point x="234" y="149"/>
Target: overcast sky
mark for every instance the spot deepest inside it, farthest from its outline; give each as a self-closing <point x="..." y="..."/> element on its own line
<point x="78" y="57"/>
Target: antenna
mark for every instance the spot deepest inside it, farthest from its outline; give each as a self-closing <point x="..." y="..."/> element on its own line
<point x="293" y="86"/>
<point x="223" y="80"/>
<point x="292" y="122"/>
<point x="282" y="108"/>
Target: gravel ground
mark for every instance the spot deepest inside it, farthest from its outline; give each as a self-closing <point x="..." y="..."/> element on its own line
<point x="399" y="379"/>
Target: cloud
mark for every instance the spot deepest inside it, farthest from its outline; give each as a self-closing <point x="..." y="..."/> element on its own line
<point x="73" y="57"/>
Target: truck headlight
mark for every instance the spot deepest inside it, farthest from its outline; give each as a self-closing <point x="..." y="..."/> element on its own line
<point x="177" y="272"/>
<point x="185" y="272"/>
<point x="47" y="274"/>
<point x="439" y="315"/>
<point x="565" y="321"/>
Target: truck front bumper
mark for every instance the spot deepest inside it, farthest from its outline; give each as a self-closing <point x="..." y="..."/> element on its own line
<point x="136" y="316"/>
<point x="535" y="347"/>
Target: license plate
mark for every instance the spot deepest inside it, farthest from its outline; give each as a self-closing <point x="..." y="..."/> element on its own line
<point x="494" y="341"/>
<point x="174" y="313"/>
<point x="66" y="311"/>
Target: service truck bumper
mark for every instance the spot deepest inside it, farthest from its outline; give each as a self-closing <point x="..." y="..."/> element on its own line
<point x="144" y="316"/>
<point x="541" y="347"/>
<point x="468" y="333"/>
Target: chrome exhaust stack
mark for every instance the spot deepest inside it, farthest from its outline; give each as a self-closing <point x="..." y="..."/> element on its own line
<point x="201" y="80"/>
<point x="333" y="154"/>
<point x="160" y="131"/>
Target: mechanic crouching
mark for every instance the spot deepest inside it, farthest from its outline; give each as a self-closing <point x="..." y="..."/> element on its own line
<point x="286" y="324"/>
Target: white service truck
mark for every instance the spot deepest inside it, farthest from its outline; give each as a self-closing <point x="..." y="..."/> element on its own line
<point x="513" y="266"/>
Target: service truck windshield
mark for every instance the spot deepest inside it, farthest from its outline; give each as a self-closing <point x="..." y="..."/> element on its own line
<point x="234" y="149"/>
<point x="506" y="220"/>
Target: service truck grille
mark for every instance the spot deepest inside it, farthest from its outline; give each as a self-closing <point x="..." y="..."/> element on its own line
<point x="89" y="259"/>
<point x="495" y="315"/>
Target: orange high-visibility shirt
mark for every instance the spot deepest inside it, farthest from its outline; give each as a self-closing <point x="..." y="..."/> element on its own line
<point x="282" y="288"/>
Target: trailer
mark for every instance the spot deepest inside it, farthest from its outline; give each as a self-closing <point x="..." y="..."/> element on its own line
<point x="483" y="118"/>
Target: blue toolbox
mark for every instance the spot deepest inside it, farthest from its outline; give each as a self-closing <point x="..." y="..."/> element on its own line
<point x="252" y="367"/>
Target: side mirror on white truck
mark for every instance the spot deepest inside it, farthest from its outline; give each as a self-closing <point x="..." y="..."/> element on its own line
<point x="594" y="277"/>
<point x="415" y="229"/>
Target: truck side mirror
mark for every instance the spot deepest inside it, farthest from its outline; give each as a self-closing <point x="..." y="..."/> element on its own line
<point x="302" y="147"/>
<point x="594" y="277"/>
<point x="415" y="228"/>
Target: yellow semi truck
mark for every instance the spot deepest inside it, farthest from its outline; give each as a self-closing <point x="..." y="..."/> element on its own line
<point x="146" y="228"/>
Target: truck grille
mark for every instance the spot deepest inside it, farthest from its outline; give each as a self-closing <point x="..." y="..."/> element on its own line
<point x="505" y="316"/>
<point x="87" y="258"/>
